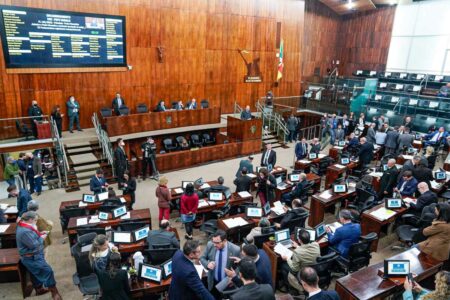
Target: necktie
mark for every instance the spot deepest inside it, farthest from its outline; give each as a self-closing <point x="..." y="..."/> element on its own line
<point x="266" y="158"/>
<point x="219" y="266"/>
<point x="403" y="186"/>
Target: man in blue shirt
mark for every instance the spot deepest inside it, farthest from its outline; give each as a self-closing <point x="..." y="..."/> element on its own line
<point x="23" y="197"/>
<point x="407" y="185"/>
<point x="345" y="236"/>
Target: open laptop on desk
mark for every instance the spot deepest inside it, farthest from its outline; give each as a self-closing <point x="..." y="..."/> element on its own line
<point x="393" y="203"/>
<point x="340" y="188"/>
<point x="280" y="183"/>
<point x="253" y="212"/>
<point x="294" y="177"/>
<point x="312" y="156"/>
<point x="283" y="237"/>
<point x="396" y="268"/>
<point x="215" y="196"/>
<point x="440" y="175"/>
<point x="345" y="161"/>
<point x="266" y="208"/>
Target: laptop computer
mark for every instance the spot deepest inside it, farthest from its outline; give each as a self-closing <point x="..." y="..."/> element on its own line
<point x="121" y="237"/>
<point x="215" y="196"/>
<point x="88" y="198"/>
<point x="227" y="194"/>
<point x="320" y="231"/>
<point x="440" y="175"/>
<point x="166" y="269"/>
<point x="312" y="156"/>
<point x="254" y="212"/>
<point x="120" y="211"/>
<point x="294" y="177"/>
<point x="141" y="233"/>
<point x="280" y="182"/>
<point x="341" y="143"/>
<point x="103" y="215"/>
<point x="266" y="208"/>
<point x="102" y="196"/>
<point x="396" y="268"/>
<point x="339" y="188"/>
<point x="149" y="272"/>
<point x="345" y="161"/>
<point x="283" y="237"/>
<point x="392" y="203"/>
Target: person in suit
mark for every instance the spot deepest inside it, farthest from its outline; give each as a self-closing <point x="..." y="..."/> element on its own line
<point x="301" y="149"/>
<point x="217" y="257"/>
<point x="436" y="137"/>
<point x="245" y="163"/>
<point x="246" y="114"/>
<point x="353" y="141"/>
<point x="161" y="106"/>
<point x="98" y="183"/>
<point x="291" y="125"/>
<point x="315" y="146"/>
<point x="265" y="186"/>
<point x="371" y="133"/>
<point x="114" y="282"/>
<point x="344" y="236"/>
<point x="405" y="140"/>
<point x="388" y="180"/>
<point x="269" y="157"/>
<point x="408" y="123"/>
<point x="57" y="117"/>
<point x="117" y="103"/>
<point x="148" y="150"/>
<point x="35" y="112"/>
<point x="23" y="197"/>
<point x="129" y="187"/>
<point x="297" y="191"/>
<point x="382" y="121"/>
<point x="120" y="160"/>
<point x="391" y="142"/>
<point x="339" y="133"/>
<point x="185" y="283"/>
<point x="73" y="111"/>
<point x="437" y="244"/>
<point x="251" y="290"/>
<point x="243" y="182"/>
<point x="407" y="185"/>
<point x="310" y="281"/>
<point x="191" y="104"/>
<point x="332" y="125"/>
<point x="324" y="125"/>
<point x="162" y="236"/>
<point x="292" y="214"/>
<point x="422" y="173"/>
<point x="345" y="123"/>
<point x="365" y="153"/>
<point x="34" y="173"/>
<point x="426" y="198"/>
<point x="179" y="106"/>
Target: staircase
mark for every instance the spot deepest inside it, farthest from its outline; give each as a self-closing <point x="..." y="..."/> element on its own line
<point x="274" y="128"/>
<point x="272" y="138"/>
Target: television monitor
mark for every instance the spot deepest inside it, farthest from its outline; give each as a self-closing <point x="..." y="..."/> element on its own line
<point x="345" y="161"/>
<point x="88" y="198"/>
<point x="254" y="212"/>
<point x="396" y="268"/>
<point x="150" y="272"/>
<point x="102" y="196"/>
<point x="440" y="175"/>
<point x="266" y="208"/>
<point x="215" y="196"/>
<point x="185" y="183"/>
<point x="294" y="177"/>
<point x="393" y="203"/>
<point x="312" y="156"/>
<point x="282" y="235"/>
<point x="167" y="269"/>
<point x="121" y="237"/>
<point x="103" y="215"/>
<point x="339" y="188"/>
<point x="141" y="233"/>
<point x="320" y="230"/>
<point x="341" y="143"/>
<point x="120" y="211"/>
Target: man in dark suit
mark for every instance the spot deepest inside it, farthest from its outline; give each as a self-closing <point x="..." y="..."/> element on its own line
<point x="269" y="157"/>
<point x="36" y="112"/>
<point x="426" y="198"/>
<point x="422" y="173"/>
<point x="117" y="103"/>
<point x="292" y="214"/>
<point x="120" y="161"/>
<point x="185" y="283"/>
<point x="129" y="187"/>
<point x="191" y="104"/>
<point x="245" y="163"/>
<point x="251" y="290"/>
<point x="315" y="146"/>
<point x="436" y="137"/>
<point x="389" y="180"/>
<point x="405" y="140"/>
<point x="162" y="236"/>
<point x="344" y="236"/>
<point x="301" y="149"/>
<point x="365" y="153"/>
<point x="391" y="142"/>
<point x="243" y="182"/>
<point x="339" y="133"/>
<point x="98" y="183"/>
<point x="310" y="281"/>
<point x="407" y="185"/>
<point x="370" y="136"/>
<point x="73" y="112"/>
<point x="297" y="191"/>
<point x="246" y="114"/>
<point x="23" y="197"/>
<point x="161" y="106"/>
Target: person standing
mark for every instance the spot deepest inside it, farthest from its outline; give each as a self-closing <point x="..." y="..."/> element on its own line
<point x="339" y="133"/>
<point x="388" y="180"/>
<point x="117" y="103"/>
<point x="37" y="171"/>
<point x="291" y="125"/>
<point x="22" y="163"/>
<point x="42" y="224"/>
<point x="365" y="153"/>
<point x="149" y="158"/>
<point x="310" y="282"/>
<point x="114" y="281"/>
<point x="163" y="194"/>
<point x="269" y="157"/>
<point x="265" y="184"/>
<point x="23" y="197"/>
<point x="120" y="161"/>
<point x="35" y="112"/>
<point x="243" y="182"/>
<point x="98" y="183"/>
<point x="301" y="149"/>
<point x="30" y="243"/>
<point x="57" y="117"/>
<point x="73" y="111"/>
<point x="129" y="187"/>
<point x="245" y="163"/>
<point x="11" y="171"/>
<point x="391" y="142"/>
<point x="188" y="209"/>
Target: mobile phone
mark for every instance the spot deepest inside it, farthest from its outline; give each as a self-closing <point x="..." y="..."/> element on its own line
<point x="410" y="277"/>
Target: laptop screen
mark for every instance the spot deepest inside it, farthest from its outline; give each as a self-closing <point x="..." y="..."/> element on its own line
<point x="312" y="235"/>
<point x="312" y="156"/>
<point x="185" y="183"/>
<point x="88" y="198"/>
<point x="227" y="193"/>
<point x="345" y="161"/>
<point x="279" y="179"/>
<point x="396" y="267"/>
<point x="393" y="203"/>
<point x="103" y="215"/>
<point x="150" y="272"/>
<point x="282" y="235"/>
<point x="167" y="268"/>
<point x="215" y="196"/>
<point x="440" y="175"/>
<point x="141" y="233"/>
<point x="102" y="196"/>
<point x="120" y="211"/>
<point x="254" y="212"/>
<point x="341" y="143"/>
<point x="339" y="188"/>
<point x="121" y="237"/>
<point x="320" y="230"/>
<point x="267" y="208"/>
<point x="385" y="167"/>
<point x="294" y="177"/>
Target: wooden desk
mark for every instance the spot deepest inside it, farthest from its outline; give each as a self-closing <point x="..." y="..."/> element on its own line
<point x="333" y="173"/>
<point x="141" y="245"/>
<point x="143" y="288"/>
<point x="8" y="237"/>
<point x="309" y="177"/>
<point x="234" y="200"/>
<point x="319" y="204"/>
<point x="401" y="159"/>
<point x="367" y="284"/>
<point x="120" y="125"/>
<point x="417" y="144"/>
<point x="90" y="206"/>
<point x="43" y="130"/>
<point x="242" y="130"/>
<point x="305" y="164"/>
<point x="10" y="264"/>
<point x="371" y="224"/>
<point x="335" y="151"/>
<point x="174" y="195"/>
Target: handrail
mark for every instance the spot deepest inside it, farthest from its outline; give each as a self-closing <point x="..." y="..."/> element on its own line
<point x="103" y="140"/>
<point x="275" y="120"/>
<point x="310" y="132"/>
<point x="237" y="108"/>
<point x="60" y="150"/>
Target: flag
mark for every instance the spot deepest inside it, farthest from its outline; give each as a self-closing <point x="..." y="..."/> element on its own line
<point x="280" y="64"/>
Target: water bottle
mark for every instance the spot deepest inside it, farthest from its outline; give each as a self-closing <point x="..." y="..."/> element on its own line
<point x="138" y="259"/>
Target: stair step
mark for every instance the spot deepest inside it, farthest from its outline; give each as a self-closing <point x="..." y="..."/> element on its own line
<point x="86" y="167"/>
<point x="84" y="182"/>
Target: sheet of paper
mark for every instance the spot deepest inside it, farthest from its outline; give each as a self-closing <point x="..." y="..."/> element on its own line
<point x="202" y="203"/>
<point x="326" y="195"/>
<point x="383" y="214"/>
<point x="339" y="166"/>
<point x="82" y="221"/>
<point x="122" y="199"/>
<point x="94" y="219"/>
<point x="235" y="222"/>
<point x="376" y="147"/>
<point x="410" y="200"/>
<point x="205" y="186"/>
<point x="321" y="155"/>
<point x="435" y="185"/>
<point x="178" y="190"/>
<point x="406" y="157"/>
<point x="3" y="206"/>
<point x="3" y="228"/>
<point x="251" y="175"/>
<point x="334" y="226"/>
<point x="11" y="210"/>
<point x="282" y="250"/>
<point x="82" y="204"/>
<point x="279" y="169"/>
<point x="200" y="270"/>
<point x="376" y="174"/>
<point x="417" y="142"/>
<point x="281" y="188"/>
<point x="278" y="210"/>
<point x="211" y="203"/>
<point x="304" y="161"/>
<point x="126" y="216"/>
<point x="244" y="194"/>
<point x="338" y="148"/>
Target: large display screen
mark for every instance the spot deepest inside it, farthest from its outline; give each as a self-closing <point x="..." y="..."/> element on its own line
<point x="39" y="38"/>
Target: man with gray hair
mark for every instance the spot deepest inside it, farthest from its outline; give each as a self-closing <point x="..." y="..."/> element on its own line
<point x="389" y="179"/>
<point x="298" y="191"/>
<point x="344" y="236"/>
<point x="41" y="223"/>
<point x="30" y="243"/>
<point x="426" y="198"/>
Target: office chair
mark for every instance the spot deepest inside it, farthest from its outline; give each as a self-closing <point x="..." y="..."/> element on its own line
<point x="131" y="226"/>
<point x="322" y="166"/>
<point x="68" y="213"/>
<point x="111" y="202"/>
<point x="141" y="108"/>
<point x="108" y="208"/>
<point x="24" y="131"/>
<point x="209" y="227"/>
<point x="208" y="139"/>
<point x="90" y="230"/>
<point x="124" y="110"/>
<point x="359" y="254"/>
<point x="160" y="246"/>
<point x="169" y="145"/>
<point x="105" y="112"/>
<point x="411" y="231"/>
<point x="308" y="192"/>
<point x="195" y="140"/>
<point x="297" y="222"/>
<point x="204" y="103"/>
<point x="158" y="256"/>
<point x="360" y="205"/>
<point x="84" y="278"/>
<point x="179" y="140"/>
<point x="173" y="104"/>
<point x="323" y="268"/>
<point x="259" y="240"/>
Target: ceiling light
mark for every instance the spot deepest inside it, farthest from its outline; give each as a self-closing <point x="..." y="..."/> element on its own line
<point x="350" y="4"/>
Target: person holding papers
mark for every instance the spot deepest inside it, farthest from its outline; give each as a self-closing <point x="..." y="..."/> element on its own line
<point x="301" y="149"/>
<point x="292" y="214"/>
<point x="266" y="185"/>
<point x="407" y="185"/>
<point x="188" y="209"/>
<point x="162" y="236"/>
<point x="388" y="180"/>
<point x="23" y="197"/>
<point x="243" y="182"/>
<point x="98" y="183"/>
<point x="186" y="283"/>
<point x="344" y="236"/>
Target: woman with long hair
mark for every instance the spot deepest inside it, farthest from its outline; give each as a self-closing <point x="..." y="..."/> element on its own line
<point x="57" y="117"/>
<point x="163" y="194"/>
<point x="265" y="184"/>
<point x="114" y="281"/>
<point x="188" y="209"/>
<point x="100" y="253"/>
<point x="442" y="291"/>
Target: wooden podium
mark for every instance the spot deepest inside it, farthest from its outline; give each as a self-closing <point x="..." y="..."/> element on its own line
<point x="242" y="130"/>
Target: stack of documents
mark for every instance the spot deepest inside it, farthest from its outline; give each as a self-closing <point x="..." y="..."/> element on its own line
<point x="11" y="210"/>
<point x="278" y="208"/>
<point x="3" y="228"/>
<point x="338" y="148"/>
<point x="409" y="200"/>
<point x="383" y="214"/>
<point x="339" y="166"/>
<point x="376" y="174"/>
<point x="202" y="203"/>
<point x="82" y="221"/>
<point x="211" y="203"/>
<point x="235" y="222"/>
<point x="283" y="250"/>
<point x="82" y="204"/>
<point x="325" y="195"/>
<point x="244" y="194"/>
<point x="178" y="190"/>
<point x="204" y="186"/>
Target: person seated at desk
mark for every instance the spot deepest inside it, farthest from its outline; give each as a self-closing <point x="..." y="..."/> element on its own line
<point x="179" y="105"/>
<point x="251" y="290"/>
<point x="117" y="103"/>
<point x="413" y="291"/>
<point x="246" y="114"/>
<point x="303" y="255"/>
<point x="295" y="212"/>
<point x="191" y="104"/>
<point x="315" y="146"/>
<point x="365" y="153"/>
<point x="245" y="163"/>
<point x="219" y="187"/>
<point x="162" y="236"/>
<point x="436" y="137"/>
<point x="388" y="180"/>
<point x="23" y="197"/>
<point x="344" y="236"/>
<point x="161" y="106"/>
<point x="310" y="282"/>
<point x="263" y="224"/>
<point x="100" y="253"/>
<point x="407" y="185"/>
<point x="437" y="244"/>
<point x="444" y="91"/>
<point x="113" y="281"/>
<point x="98" y="183"/>
<point x="426" y="198"/>
<point x="243" y="182"/>
<point x="112" y="200"/>
<point x="297" y="191"/>
<point x="422" y="173"/>
<point x="301" y="149"/>
<point x="185" y="283"/>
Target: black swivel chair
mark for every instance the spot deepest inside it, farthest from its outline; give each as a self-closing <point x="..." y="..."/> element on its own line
<point x="161" y="246"/>
<point x="169" y="145"/>
<point x="196" y="141"/>
<point x="297" y="222"/>
<point x="259" y="240"/>
<point x="359" y="254"/>
<point x="411" y="231"/>
<point x="68" y="213"/>
<point x="174" y="104"/>
<point x="105" y="112"/>
<point x="90" y="230"/>
<point x="84" y="278"/>
<point x="204" y="103"/>
<point x="24" y="131"/>
<point x="361" y="204"/>
<point x="159" y="256"/>
<point x="323" y="267"/>
<point x="180" y="140"/>
<point x="208" y="139"/>
<point x="141" y="108"/>
<point x="124" y="110"/>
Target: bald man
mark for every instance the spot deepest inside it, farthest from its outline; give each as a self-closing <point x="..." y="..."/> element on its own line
<point x="163" y="236"/>
<point x="389" y="180"/>
<point x="246" y="114"/>
<point x="426" y="198"/>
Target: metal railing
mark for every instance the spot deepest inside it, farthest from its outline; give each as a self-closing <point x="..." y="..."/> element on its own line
<point x="310" y="132"/>
<point x="237" y="110"/>
<point x="272" y="121"/>
<point x="63" y="163"/>
<point x="103" y="140"/>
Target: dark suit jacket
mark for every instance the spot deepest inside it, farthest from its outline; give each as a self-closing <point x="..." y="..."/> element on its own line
<point x="272" y="158"/>
<point x="114" y="287"/>
<point x="344" y="237"/>
<point x="392" y="139"/>
<point x="244" y="163"/>
<point x="299" y="189"/>
<point x="410" y="187"/>
<point x="188" y="105"/>
<point x="389" y="180"/>
<point x="242" y="183"/>
<point x="254" y="291"/>
<point x="325" y="295"/>
<point x="96" y="184"/>
<point x="115" y="105"/>
<point x="299" y="150"/>
<point x="245" y="115"/>
<point x="186" y="284"/>
<point x="370" y="135"/>
<point x="290" y="215"/>
<point x="162" y="237"/>
<point x="365" y="153"/>
<point x="120" y="158"/>
<point x="160" y="108"/>
<point x="263" y="270"/>
<point x="71" y="106"/>
<point x="423" y="174"/>
<point x="425" y="199"/>
<point x="315" y="149"/>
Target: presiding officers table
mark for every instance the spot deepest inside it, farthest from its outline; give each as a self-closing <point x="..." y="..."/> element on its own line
<point x="368" y="284"/>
